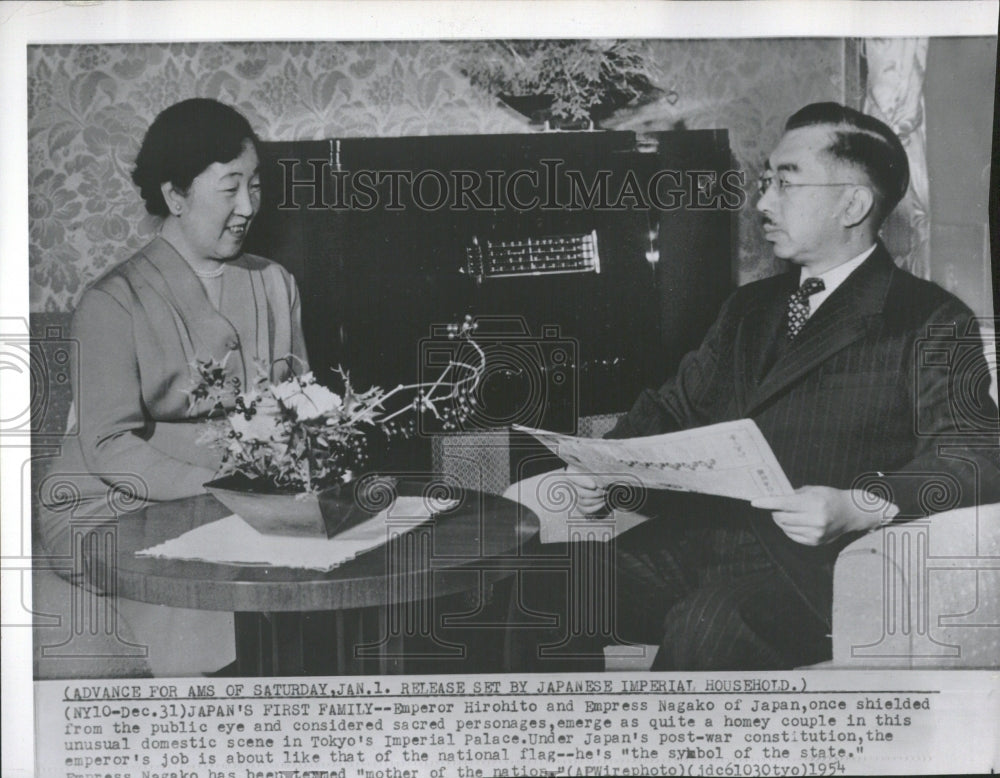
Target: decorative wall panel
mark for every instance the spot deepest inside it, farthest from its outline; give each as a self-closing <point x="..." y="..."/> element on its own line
<point x="89" y="105"/>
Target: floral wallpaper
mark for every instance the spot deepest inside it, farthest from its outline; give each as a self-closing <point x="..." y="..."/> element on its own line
<point x="749" y="87"/>
<point x="89" y="106"/>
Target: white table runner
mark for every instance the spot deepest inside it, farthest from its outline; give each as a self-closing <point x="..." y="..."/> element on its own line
<point x="231" y="540"/>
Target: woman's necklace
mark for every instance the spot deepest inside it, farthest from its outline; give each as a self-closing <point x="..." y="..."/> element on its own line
<point x="210" y="273"/>
<point x="211" y="281"/>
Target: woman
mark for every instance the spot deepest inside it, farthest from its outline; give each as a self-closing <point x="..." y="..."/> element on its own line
<point x="189" y="294"/>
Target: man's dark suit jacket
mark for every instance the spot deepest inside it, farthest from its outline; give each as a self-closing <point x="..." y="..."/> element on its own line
<point x="885" y="387"/>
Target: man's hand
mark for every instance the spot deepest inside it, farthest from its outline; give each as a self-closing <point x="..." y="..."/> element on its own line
<point x="589" y="495"/>
<point x="820" y="514"/>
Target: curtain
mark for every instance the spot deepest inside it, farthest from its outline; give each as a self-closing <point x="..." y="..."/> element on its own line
<point x="894" y="93"/>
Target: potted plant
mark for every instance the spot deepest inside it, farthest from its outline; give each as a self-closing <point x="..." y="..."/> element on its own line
<point x="565" y="83"/>
<point x="291" y="449"/>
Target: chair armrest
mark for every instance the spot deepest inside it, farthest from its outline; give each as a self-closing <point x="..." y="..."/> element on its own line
<point x="862" y="574"/>
<point x="922" y="594"/>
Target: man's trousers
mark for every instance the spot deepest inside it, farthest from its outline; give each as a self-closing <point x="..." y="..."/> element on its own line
<point x="693" y="580"/>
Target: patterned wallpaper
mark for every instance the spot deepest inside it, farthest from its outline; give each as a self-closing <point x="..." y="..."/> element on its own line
<point x="749" y="87"/>
<point x="89" y="105"/>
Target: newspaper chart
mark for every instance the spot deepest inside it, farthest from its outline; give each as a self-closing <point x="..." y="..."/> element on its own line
<point x="731" y="459"/>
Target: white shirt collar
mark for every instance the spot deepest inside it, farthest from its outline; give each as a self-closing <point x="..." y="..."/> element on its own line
<point x="833" y="278"/>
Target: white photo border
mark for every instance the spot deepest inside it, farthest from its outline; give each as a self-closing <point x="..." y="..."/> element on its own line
<point x="25" y="23"/>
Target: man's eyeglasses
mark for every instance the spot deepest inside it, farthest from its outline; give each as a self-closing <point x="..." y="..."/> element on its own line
<point x="764" y="183"/>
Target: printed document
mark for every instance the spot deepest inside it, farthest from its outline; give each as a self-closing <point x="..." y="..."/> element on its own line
<point x="732" y="459"/>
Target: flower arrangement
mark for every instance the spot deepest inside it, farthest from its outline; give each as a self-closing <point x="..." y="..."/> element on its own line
<point x="580" y="76"/>
<point x="298" y="435"/>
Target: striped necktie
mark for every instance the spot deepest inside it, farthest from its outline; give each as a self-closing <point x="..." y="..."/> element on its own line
<point x="798" y="305"/>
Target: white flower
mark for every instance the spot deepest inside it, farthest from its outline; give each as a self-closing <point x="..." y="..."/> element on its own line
<point x="312" y="401"/>
<point x="324" y="400"/>
<point x="292" y="386"/>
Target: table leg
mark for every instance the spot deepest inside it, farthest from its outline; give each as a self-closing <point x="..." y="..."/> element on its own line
<point x="270" y="644"/>
<point x="380" y="650"/>
<point x="455" y="633"/>
<point x="288" y="644"/>
<point x="340" y="647"/>
<point x="249" y="643"/>
<point x="318" y="643"/>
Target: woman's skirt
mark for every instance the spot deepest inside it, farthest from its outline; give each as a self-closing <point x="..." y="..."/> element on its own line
<point x="81" y="628"/>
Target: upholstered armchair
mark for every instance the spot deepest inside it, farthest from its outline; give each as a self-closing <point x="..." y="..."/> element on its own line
<point x="920" y="595"/>
<point x="924" y="594"/>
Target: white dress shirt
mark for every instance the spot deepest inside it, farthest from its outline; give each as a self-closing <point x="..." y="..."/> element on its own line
<point x="833" y="278"/>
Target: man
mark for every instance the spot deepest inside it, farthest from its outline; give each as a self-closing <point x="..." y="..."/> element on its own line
<point x="827" y="361"/>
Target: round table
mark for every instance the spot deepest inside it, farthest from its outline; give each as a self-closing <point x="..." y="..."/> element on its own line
<point x="352" y="619"/>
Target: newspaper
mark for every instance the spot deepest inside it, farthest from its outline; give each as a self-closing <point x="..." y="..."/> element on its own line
<point x="731" y="459"/>
<point x="744" y="66"/>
